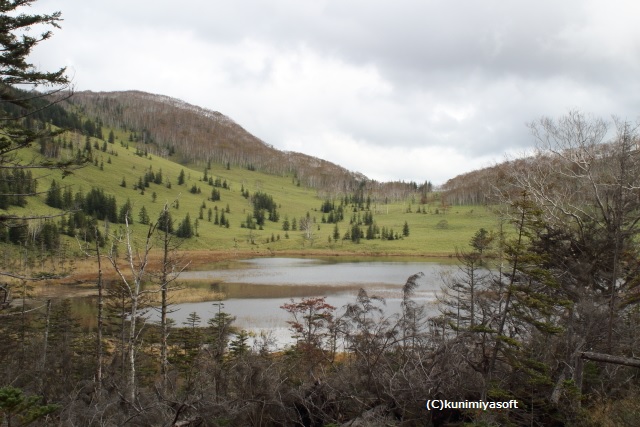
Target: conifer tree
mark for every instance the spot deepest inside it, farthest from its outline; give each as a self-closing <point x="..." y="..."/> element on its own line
<point x="126" y="213"/>
<point x="185" y="230"/>
<point x="220" y="330"/>
<point x="143" y="217"/>
<point x="405" y="229"/>
<point x="17" y="39"/>
<point x="165" y="222"/>
<point x="54" y="196"/>
<point x="239" y="346"/>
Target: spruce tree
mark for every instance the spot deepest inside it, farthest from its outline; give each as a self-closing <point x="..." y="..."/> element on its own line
<point x="54" y="196"/>
<point x="143" y="217"/>
<point x="405" y="229"/>
<point x="165" y="222"/>
<point x="126" y="214"/>
<point x="17" y="107"/>
<point x="185" y="230"/>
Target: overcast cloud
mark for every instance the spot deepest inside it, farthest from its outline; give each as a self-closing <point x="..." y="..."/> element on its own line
<point x="404" y="90"/>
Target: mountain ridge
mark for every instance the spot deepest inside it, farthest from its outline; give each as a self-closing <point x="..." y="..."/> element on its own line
<point x="191" y="134"/>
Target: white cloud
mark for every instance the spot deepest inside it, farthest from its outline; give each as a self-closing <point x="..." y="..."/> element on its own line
<point x="410" y="90"/>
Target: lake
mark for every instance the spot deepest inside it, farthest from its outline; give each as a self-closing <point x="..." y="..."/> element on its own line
<point x="256" y="288"/>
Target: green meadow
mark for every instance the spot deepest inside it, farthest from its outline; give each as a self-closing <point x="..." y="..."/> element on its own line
<point x="432" y="229"/>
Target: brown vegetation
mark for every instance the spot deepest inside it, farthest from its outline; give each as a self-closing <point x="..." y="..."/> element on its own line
<point x="166" y="127"/>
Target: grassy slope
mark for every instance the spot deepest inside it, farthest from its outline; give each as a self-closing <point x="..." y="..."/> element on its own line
<point x="425" y="238"/>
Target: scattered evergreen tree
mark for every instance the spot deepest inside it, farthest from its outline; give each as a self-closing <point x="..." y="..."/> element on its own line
<point x="96" y="203"/>
<point x="157" y="179"/>
<point x="370" y="234"/>
<point x="143" y="216"/>
<point x="126" y="213"/>
<point x="481" y="241"/>
<point x="263" y="203"/>
<point x="219" y="332"/>
<point x="239" y="346"/>
<point x="165" y="222"/>
<point x="54" y="195"/>
<point x="185" y="229"/>
<point x="356" y="233"/>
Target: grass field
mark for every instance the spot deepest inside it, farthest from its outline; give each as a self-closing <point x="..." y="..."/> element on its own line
<point x="432" y="232"/>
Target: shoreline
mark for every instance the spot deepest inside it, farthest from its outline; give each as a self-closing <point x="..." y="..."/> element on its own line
<point x="82" y="282"/>
<point x="87" y="271"/>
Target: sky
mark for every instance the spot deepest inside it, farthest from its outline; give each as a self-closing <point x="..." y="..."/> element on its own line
<point x="411" y="90"/>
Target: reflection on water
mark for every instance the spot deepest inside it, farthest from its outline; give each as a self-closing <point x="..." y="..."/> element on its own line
<point x="328" y="272"/>
<point x="258" y="287"/>
<point x="265" y="313"/>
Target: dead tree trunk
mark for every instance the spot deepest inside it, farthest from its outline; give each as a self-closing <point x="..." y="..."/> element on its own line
<point x="607" y="358"/>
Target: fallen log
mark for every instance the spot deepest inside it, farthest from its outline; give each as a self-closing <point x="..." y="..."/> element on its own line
<point x="607" y="358"/>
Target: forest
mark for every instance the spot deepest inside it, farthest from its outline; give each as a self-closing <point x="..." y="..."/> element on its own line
<point x="543" y="309"/>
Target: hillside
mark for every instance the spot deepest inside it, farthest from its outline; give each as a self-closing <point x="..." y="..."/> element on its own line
<point x="234" y="191"/>
<point x="482" y="186"/>
<point x="169" y="127"/>
<point x="147" y="181"/>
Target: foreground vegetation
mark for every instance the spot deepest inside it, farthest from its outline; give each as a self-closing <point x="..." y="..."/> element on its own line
<point x="542" y="312"/>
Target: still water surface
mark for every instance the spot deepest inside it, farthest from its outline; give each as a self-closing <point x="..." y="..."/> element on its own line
<point x="256" y="288"/>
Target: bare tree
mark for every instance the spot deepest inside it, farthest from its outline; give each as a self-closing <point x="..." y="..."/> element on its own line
<point x="132" y="276"/>
<point x="306" y="226"/>
<point x="100" y="315"/>
<point x="169" y="272"/>
<point x="576" y="278"/>
<point x="587" y="187"/>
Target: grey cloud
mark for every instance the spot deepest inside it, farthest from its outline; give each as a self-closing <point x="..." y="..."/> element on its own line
<point x="461" y="75"/>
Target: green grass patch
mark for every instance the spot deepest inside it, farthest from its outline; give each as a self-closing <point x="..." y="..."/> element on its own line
<point x="432" y="231"/>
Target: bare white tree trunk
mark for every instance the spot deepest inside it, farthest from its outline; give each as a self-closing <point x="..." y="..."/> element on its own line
<point x="137" y="261"/>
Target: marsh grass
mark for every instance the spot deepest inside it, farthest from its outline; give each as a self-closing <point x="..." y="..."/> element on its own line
<point x="188" y="294"/>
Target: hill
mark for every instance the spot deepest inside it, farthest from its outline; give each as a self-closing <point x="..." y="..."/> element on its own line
<point x="188" y="134"/>
<point x="232" y="190"/>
